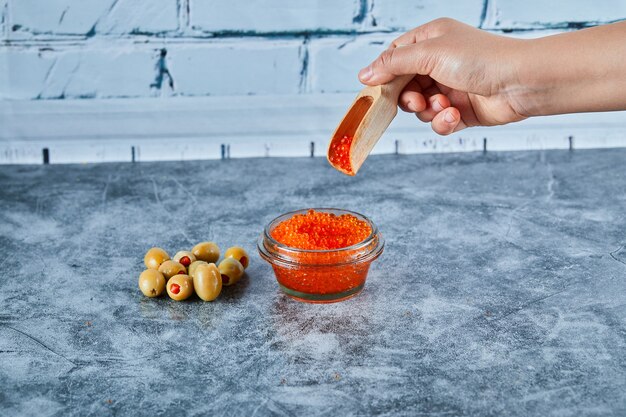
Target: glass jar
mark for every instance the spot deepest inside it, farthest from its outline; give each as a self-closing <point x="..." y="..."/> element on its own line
<point x="321" y="276"/>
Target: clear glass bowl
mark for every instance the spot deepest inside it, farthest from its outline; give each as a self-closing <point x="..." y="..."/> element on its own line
<point x="320" y="276"/>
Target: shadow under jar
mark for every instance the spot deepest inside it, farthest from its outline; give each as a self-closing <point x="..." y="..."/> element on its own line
<point x="321" y="276"/>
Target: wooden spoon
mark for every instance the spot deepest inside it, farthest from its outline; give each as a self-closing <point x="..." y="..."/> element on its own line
<point x="365" y="122"/>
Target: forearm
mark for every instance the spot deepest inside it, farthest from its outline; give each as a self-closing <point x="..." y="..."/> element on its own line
<point x="572" y="72"/>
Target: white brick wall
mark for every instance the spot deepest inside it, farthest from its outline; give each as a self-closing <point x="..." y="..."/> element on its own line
<point x="22" y="73"/>
<point x="85" y="72"/>
<point x="541" y="14"/>
<point x="91" y="52"/>
<point x="274" y="16"/>
<point x="110" y="48"/>
<point x="82" y="17"/>
<point x="334" y="62"/>
<point x="123" y="69"/>
<point x="405" y="15"/>
<point x="240" y="68"/>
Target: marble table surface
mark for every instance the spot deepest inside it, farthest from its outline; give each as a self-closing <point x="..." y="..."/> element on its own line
<point x="501" y="292"/>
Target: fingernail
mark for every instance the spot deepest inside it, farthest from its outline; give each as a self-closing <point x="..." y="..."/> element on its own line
<point x="449" y="117"/>
<point x="437" y="105"/>
<point x="366" y="73"/>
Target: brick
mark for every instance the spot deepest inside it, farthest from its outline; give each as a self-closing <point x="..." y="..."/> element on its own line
<point x="232" y="68"/>
<point x="274" y="15"/>
<point x="111" y="73"/>
<point x="142" y="16"/>
<point x="57" y="16"/>
<point x="77" y="73"/>
<point x="82" y="17"/>
<point x="128" y="70"/>
<point x="513" y="14"/>
<point x="335" y="62"/>
<point x="406" y="14"/>
<point x="22" y="73"/>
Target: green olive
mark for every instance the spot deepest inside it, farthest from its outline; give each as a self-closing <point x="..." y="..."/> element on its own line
<point x="151" y="283"/>
<point x="238" y="253"/>
<point x="231" y="271"/>
<point x="193" y="266"/>
<point x="171" y="268"/>
<point x="184" y="257"/>
<point x="207" y="282"/>
<point x="155" y="257"/>
<point x="180" y="287"/>
<point x="207" y="251"/>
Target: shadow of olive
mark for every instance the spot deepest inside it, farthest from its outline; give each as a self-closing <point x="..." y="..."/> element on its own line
<point x="193" y="307"/>
<point x="178" y="310"/>
<point x="235" y="291"/>
<point x="151" y="308"/>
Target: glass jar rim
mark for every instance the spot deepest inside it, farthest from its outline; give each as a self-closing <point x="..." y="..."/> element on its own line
<point x="356" y="246"/>
<point x="277" y="253"/>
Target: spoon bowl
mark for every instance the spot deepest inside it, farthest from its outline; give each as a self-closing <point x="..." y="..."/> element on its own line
<point x="366" y="120"/>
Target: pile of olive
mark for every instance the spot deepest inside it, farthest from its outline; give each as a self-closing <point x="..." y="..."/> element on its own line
<point x="192" y="271"/>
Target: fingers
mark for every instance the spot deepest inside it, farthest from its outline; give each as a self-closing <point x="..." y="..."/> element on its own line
<point x="436" y="104"/>
<point x="412" y="100"/>
<point x="448" y="121"/>
<point x="431" y="106"/>
<point x="418" y="58"/>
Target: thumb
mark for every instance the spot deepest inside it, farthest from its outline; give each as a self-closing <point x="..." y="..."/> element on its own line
<point x="417" y="58"/>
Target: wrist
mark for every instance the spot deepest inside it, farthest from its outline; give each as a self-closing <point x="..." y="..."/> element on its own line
<point x="532" y="81"/>
<point x="571" y="72"/>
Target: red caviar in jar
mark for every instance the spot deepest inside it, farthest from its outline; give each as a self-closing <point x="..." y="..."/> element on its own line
<point x="317" y="230"/>
<point x="339" y="152"/>
<point x="326" y="262"/>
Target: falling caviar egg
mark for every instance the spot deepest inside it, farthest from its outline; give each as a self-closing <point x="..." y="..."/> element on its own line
<point x="339" y="153"/>
<point x="316" y="230"/>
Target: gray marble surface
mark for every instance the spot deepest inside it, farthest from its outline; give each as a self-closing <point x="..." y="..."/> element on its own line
<point x="502" y="290"/>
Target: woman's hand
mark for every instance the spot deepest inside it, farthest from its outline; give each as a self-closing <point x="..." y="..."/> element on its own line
<point x="468" y="77"/>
